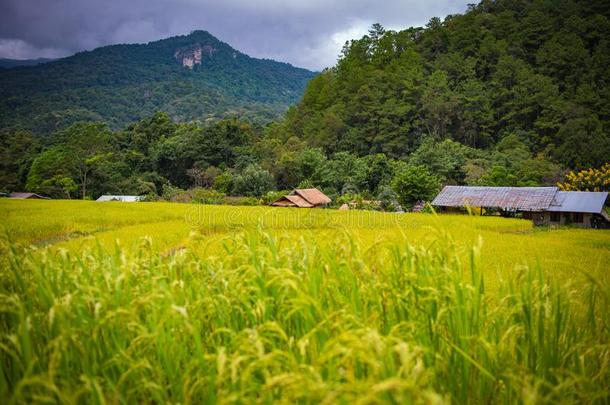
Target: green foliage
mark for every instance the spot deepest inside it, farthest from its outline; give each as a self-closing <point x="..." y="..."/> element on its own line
<point x="53" y="163"/>
<point x="503" y="67"/>
<point x="207" y="196"/>
<point x="272" y="196"/>
<point x="445" y="159"/>
<point x="224" y="182"/>
<point x="59" y="185"/>
<point x="253" y="181"/>
<point x="388" y="200"/>
<point x="17" y="151"/>
<point x="413" y="184"/>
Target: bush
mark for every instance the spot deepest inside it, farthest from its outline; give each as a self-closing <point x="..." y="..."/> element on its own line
<point x="242" y="201"/>
<point x="207" y="196"/>
<point x="171" y="193"/>
<point x="413" y="184"/>
<point x="272" y="196"/>
<point x="224" y="182"/>
<point x="388" y="200"/>
<point x="253" y="182"/>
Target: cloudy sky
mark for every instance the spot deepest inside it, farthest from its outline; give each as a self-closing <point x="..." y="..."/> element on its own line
<point x="306" y="33"/>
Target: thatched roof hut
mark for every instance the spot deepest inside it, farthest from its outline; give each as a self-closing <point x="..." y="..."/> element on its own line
<point x="303" y="198"/>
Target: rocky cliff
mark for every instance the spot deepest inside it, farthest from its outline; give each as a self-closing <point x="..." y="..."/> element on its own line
<point x="192" y="55"/>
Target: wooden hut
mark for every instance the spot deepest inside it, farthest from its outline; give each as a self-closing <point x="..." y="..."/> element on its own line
<point x="303" y="198"/>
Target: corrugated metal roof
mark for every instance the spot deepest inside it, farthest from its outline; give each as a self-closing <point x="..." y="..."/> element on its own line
<point x="312" y="195"/>
<point x="506" y="198"/>
<point x="578" y="201"/>
<point x="122" y="198"/>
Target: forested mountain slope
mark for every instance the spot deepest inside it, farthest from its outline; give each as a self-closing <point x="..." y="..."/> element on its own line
<point x="192" y="77"/>
<point x="536" y="70"/>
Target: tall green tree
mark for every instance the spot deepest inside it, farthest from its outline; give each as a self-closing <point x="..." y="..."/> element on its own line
<point x="413" y="184"/>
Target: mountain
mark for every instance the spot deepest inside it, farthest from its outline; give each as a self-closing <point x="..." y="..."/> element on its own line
<point x="191" y="77"/>
<point x="11" y="63"/>
<point x="536" y="71"/>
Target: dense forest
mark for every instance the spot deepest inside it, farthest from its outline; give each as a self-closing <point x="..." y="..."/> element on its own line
<point x="538" y="71"/>
<point x="509" y="93"/>
<point x="120" y="84"/>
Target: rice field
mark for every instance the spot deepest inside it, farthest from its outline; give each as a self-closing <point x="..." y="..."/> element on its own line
<point x="160" y="302"/>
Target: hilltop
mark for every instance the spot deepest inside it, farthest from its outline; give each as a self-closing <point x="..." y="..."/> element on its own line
<point x="191" y="77"/>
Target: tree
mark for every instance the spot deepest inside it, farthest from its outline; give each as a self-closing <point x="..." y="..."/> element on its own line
<point x="88" y="146"/>
<point x="59" y="185"/>
<point x="17" y="151"/>
<point x="444" y="159"/>
<point x="582" y="143"/>
<point x="53" y="163"/>
<point x="224" y="182"/>
<point x="253" y="182"/>
<point x="413" y="184"/>
<point x="439" y="105"/>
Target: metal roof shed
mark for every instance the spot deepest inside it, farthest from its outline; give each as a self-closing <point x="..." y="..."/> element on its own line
<point x="505" y="198"/>
<point x="579" y="201"/>
<point x="122" y="198"/>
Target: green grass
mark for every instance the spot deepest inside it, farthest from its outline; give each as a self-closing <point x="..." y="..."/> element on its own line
<point x="128" y="303"/>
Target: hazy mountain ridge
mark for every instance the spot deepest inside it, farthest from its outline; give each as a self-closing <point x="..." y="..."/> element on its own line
<point x="6" y="63"/>
<point x="122" y="83"/>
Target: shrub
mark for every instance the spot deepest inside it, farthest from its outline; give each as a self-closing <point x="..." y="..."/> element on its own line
<point x="242" y="201"/>
<point x="253" y="181"/>
<point x="272" y="196"/>
<point x="388" y="200"/>
<point x="413" y="184"/>
<point x="224" y="182"/>
<point x="207" y="196"/>
<point x="170" y="193"/>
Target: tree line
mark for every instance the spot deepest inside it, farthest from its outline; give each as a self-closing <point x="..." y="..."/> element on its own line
<point x="157" y="157"/>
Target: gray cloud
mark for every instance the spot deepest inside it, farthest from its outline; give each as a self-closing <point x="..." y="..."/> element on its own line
<point x="307" y="33"/>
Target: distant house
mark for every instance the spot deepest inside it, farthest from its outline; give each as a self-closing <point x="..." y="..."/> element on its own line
<point x="27" y="196"/>
<point x="543" y="205"/>
<point x="121" y="198"/>
<point x="303" y="198"/>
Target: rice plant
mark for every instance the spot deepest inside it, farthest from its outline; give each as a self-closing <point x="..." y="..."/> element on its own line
<point x="262" y="316"/>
